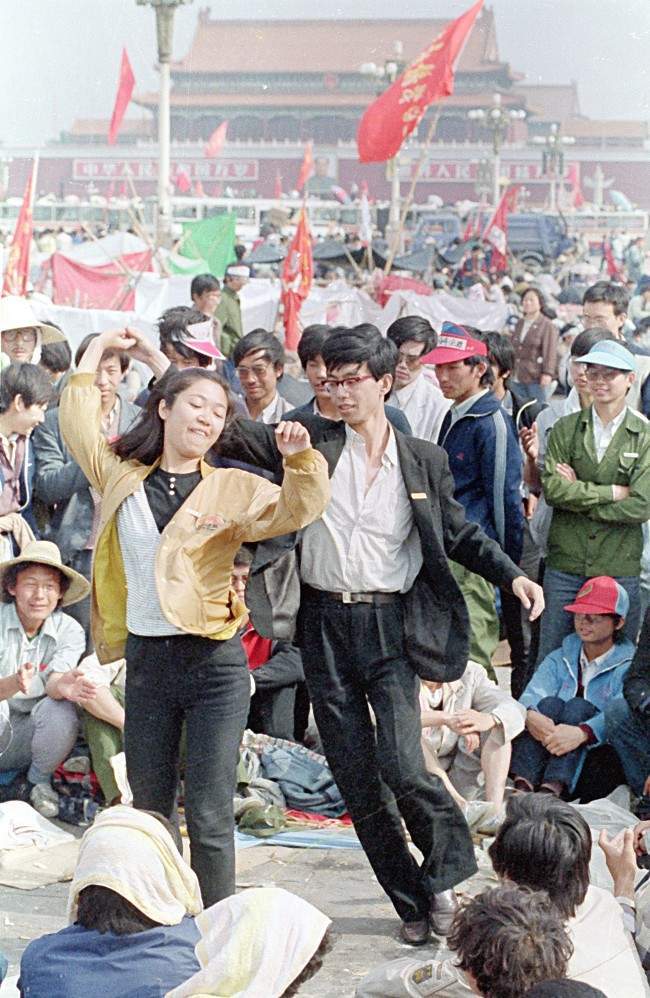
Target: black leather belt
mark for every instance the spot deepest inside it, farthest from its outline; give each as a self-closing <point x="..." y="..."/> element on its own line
<point x="376" y="599"/>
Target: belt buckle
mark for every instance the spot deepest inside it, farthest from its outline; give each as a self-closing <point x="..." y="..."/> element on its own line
<point x="347" y="598"/>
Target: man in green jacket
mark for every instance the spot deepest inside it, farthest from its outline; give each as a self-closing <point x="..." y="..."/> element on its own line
<point x="229" y="308"/>
<point x="597" y="479"/>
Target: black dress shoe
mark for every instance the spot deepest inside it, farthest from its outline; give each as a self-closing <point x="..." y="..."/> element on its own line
<point x="441" y="914"/>
<point x="415" y="933"/>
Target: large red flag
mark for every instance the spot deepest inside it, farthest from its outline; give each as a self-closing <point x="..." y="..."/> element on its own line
<point x="307" y="167"/>
<point x="17" y="269"/>
<point x="216" y="141"/>
<point x="497" y="228"/>
<point x="400" y="109"/>
<point x="297" y="276"/>
<point x="125" y="87"/>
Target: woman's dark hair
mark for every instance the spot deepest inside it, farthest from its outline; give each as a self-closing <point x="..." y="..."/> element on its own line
<point x="27" y="380"/>
<point x="311" y="342"/>
<point x="610" y="293"/>
<point x="588" y="338"/>
<point x="500" y="350"/>
<point x="143" y="442"/>
<point x="56" y="357"/>
<point x="202" y="283"/>
<point x="413" y="327"/>
<point x="10" y="578"/>
<point x="545" y="844"/>
<point x="314" y="965"/>
<point x="122" y="358"/>
<point x="260" y="339"/>
<point x="509" y="939"/>
<point x="362" y="344"/>
<point x="535" y="291"/>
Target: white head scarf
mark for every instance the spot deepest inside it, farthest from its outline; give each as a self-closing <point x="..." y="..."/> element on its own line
<point x="133" y="854"/>
<point x="253" y="945"/>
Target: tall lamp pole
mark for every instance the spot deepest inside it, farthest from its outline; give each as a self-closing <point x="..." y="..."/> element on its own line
<point x="387" y="74"/>
<point x="498" y="120"/>
<point x="165" y="10"/>
<point x="553" y="159"/>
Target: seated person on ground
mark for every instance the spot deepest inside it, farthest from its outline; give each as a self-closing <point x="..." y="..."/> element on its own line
<point x="280" y="704"/>
<point x="136" y="918"/>
<point x="467" y="729"/>
<point x="40" y="684"/>
<point x="544" y="845"/>
<point x="567" y="696"/>
<point x="508" y="939"/>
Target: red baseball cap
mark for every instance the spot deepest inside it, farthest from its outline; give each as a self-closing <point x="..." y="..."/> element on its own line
<point x="454" y="343"/>
<point x="601" y="594"/>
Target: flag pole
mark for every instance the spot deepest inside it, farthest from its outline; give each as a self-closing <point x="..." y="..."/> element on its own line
<point x="411" y="193"/>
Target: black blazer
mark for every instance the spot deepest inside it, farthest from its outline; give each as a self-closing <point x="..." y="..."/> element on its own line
<point x="436" y="622"/>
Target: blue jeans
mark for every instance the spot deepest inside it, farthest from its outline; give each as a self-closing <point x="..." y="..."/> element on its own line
<point x="204" y="683"/>
<point x="561" y="588"/>
<point x="535" y="763"/>
<point x="629" y="734"/>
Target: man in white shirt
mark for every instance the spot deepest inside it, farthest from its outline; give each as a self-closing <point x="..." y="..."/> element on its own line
<point x="259" y="362"/>
<point x="413" y="392"/>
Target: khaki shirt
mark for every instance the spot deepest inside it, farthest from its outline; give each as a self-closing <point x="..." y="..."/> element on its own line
<point x="195" y="557"/>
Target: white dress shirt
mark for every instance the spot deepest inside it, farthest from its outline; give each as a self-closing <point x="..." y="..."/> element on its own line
<point x="604" y="432"/>
<point x="365" y="541"/>
<point x="424" y="406"/>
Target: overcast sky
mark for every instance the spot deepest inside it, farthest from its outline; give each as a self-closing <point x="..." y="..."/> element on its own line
<point x="59" y="59"/>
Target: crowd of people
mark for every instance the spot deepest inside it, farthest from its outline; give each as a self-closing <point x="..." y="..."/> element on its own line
<point x="205" y="535"/>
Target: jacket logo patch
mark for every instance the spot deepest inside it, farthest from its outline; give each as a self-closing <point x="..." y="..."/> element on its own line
<point x="418" y="495"/>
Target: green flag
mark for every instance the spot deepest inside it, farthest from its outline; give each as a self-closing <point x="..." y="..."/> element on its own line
<point x="183" y="265"/>
<point x="212" y="239"/>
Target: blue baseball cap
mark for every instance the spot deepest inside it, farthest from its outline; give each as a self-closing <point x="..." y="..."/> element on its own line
<point x="610" y="353"/>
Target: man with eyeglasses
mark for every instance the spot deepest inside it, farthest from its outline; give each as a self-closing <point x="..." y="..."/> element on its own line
<point x="596" y="478"/>
<point x="21" y="333"/>
<point x="259" y="360"/>
<point x="413" y="393"/>
<point x="379" y="607"/>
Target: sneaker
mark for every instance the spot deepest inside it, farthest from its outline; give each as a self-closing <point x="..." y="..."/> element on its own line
<point x="45" y="800"/>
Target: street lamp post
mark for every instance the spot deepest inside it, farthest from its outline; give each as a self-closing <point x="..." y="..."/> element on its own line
<point x="388" y="73"/>
<point x="165" y="10"/>
<point x="553" y="159"/>
<point x="498" y="120"/>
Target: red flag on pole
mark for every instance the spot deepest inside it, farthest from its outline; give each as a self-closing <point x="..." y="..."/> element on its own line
<point x="17" y="269"/>
<point x="573" y="176"/>
<point x="400" y="109"/>
<point x="277" y="186"/>
<point x="125" y="87"/>
<point x="216" y="141"/>
<point x="307" y="167"/>
<point x="297" y="276"/>
<point x="182" y="181"/>
<point x="497" y="228"/>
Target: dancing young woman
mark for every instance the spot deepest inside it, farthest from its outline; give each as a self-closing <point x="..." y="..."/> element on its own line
<point x="169" y="528"/>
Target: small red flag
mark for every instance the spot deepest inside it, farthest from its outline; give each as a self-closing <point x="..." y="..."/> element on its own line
<point x="573" y="176"/>
<point x="297" y="276"/>
<point x="182" y="181"/>
<point x="307" y="167"/>
<point x="198" y="189"/>
<point x="216" y="141"/>
<point x="17" y="269"/>
<point x="400" y="109"/>
<point x="125" y="87"/>
<point x="497" y="228"/>
<point x="277" y="187"/>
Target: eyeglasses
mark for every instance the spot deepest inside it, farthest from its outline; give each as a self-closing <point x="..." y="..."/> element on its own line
<point x="20" y="335"/>
<point x="594" y="373"/>
<point x="347" y="384"/>
<point x="412" y="360"/>
<point x="257" y="371"/>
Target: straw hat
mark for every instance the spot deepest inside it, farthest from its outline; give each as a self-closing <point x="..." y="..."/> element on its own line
<point x="17" y="313"/>
<point x="47" y="553"/>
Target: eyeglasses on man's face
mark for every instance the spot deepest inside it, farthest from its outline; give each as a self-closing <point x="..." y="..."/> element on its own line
<point x="20" y="336"/>
<point x="347" y="384"/>
<point x="596" y="373"/>
<point x="257" y="371"/>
